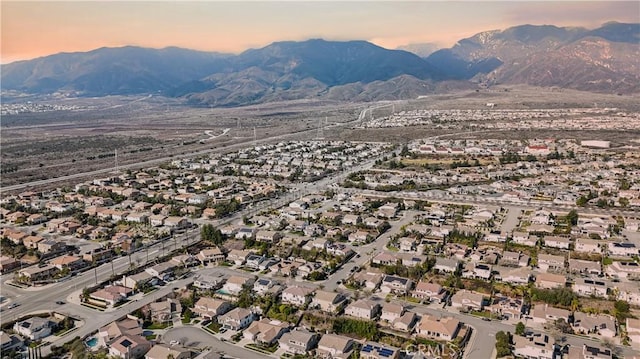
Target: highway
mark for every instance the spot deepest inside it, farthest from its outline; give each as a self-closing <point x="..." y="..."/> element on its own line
<point x="157" y="161"/>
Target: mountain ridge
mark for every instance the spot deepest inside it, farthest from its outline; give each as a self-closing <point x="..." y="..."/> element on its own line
<point x="601" y="60"/>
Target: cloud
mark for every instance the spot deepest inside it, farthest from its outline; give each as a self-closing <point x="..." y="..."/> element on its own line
<point x="588" y="14"/>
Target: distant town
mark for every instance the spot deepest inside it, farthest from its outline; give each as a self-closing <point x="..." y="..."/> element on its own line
<point x="340" y="249"/>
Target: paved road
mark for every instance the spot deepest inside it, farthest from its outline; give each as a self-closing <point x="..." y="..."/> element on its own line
<point x="512" y="220"/>
<point x="445" y="197"/>
<point x="43" y="298"/>
<point x="198" y="338"/>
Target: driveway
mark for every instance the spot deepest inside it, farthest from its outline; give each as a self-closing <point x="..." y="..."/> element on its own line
<point x="197" y="338"/>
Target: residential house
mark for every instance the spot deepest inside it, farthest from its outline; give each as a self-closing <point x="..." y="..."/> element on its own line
<point x="550" y="263"/>
<point x="539" y="346"/>
<point x="162" y="271"/>
<point x="136" y="281"/>
<point x="360" y="237"/>
<point x="31" y="242"/>
<point x="236" y="319"/>
<point x="164" y="351"/>
<point x="163" y="311"/>
<point x="298" y="342"/>
<point x="467" y="300"/>
<point x="543" y="312"/>
<point x="36" y="273"/>
<point x="557" y="242"/>
<point x="34" y="328"/>
<point x="520" y="275"/>
<point x="579" y="266"/>
<point x="443" y="328"/>
<point x="391" y="312"/>
<point x="445" y="265"/>
<point x="588" y="245"/>
<point x="296" y="295"/>
<point x="396" y="285"/>
<point x="210" y="308"/>
<point x="114" y="330"/>
<point x="371" y="350"/>
<point x="506" y="307"/>
<point x="590" y="287"/>
<point x="369" y="280"/>
<point x="176" y="222"/>
<point x="628" y="292"/>
<point x="589" y="352"/>
<point x="621" y="269"/>
<point x="265" y="331"/>
<point x="550" y="280"/>
<point x="514" y="259"/>
<point x="10" y="342"/>
<point x="71" y="263"/>
<point x="329" y="302"/>
<point x="622" y="249"/>
<point x="431" y="292"/>
<point x="406" y="322"/>
<point x="8" y="264"/>
<point x="185" y="260"/>
<point x="110" y="295"/>
<point x="268" y="236"/>
<point x="235" y="284"/>
<point x="239" y="257"/>
<point x="524" y="239"/>
<point x="245" y="232"/>
<point x="157" y="220"/>
<point x="333" y="346"/>
<point x="604" y="325"/>
<point x="477" y="270"/>
<point x="253" y="261"/>
<point x="211" y="255"/>
<point x="263" y="285"/>
<point x="363" y="309"/>
<point x="633" y="331"/>
<point x="129" y="346"/>
<point x="384" y="259"/>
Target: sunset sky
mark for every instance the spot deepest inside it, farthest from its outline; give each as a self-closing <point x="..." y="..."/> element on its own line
<point x="31" y="29"/>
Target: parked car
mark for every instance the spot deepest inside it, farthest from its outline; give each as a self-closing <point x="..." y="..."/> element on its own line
<point x="60" y="302"/>
<point x="12" y="305"/>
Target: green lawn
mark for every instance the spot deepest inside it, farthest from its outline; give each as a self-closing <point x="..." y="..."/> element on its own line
<point x="263" y="349"/>
<point x="153" y="326"/>
<point x="214" y="327"/>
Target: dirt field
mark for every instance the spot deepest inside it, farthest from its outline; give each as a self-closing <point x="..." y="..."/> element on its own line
<point x="51" y="144"/>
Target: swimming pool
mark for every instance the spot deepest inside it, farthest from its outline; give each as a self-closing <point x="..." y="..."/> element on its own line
<point x="92" y="342"/>
<point x="223" y="292"/>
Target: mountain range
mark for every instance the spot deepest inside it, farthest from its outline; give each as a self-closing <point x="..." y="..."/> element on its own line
<point x="600" y="60"/>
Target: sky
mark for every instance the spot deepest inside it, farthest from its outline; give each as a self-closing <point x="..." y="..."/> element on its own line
<point x="31" y="29"/>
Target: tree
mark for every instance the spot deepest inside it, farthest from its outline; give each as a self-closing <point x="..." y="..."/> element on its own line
<point x="561" y="325"/>
<point x="520" y="329"/>
<point x="621" y="310"/>
<point x="186" y="316"/>
<point x="572" y="217"/>
<point x="503" y="341"/>
<point x="582" y="201"/>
